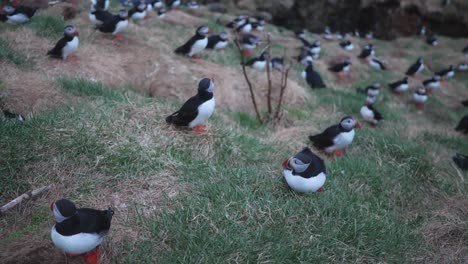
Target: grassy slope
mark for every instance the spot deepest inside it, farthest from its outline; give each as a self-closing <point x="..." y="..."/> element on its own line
<point x="232" y="204"/>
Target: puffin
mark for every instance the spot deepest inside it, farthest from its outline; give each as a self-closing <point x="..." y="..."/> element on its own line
<point x="258" y="63"/>
<point x="246" y="27"/>
<point x="101" y="4"/>
<point x="463" y="66"/>
<point x="422" y="30"/>
<point x="138" y="12"/>
<point x="9" y="115"/>
<point x="259" y="25"/>
<point x="399" y="86"/>
<point x="369" y="35"/>
<point x="237" y="22"/>
<point x="347" y="45"/>
<point x="305" y="172"/>
<point x="337" y="137"/>
<point x="327" y="34"/>
<point x="197" y="109"/>
<point x="98" y="16"/>
<point x="248" y="42"/>
<point x="193" y="5"/>
<point x="341" y="67"/>
<point x="79" y="231"/>
<point x="377" y="64"/>
<point x="305" y="56"/>
<point x="420" y="97"/>
<point x="312" y="77"/>
<point x="66" y="45"/>
<point x="416" y="68"/>
<point x="339" y="35"/>
<point x="218" y="42"/>
<point x="300" y="34"/>
<point x="277" y="63"/>
<point x="370" y="114"/>
<point x="161" y="12"/>
<point x="371" y="99"/>
<point x="157" y="4"/>
<point x="372" y="90"/>
<point x="116" y="24"/>
<point x="173" y="4"/>
<point x="432" y="83"/>
<point x="356" y="33"/>
<point x="432" y="40"/>
<point x="18" y="14"/>
<point x="463" y="125"/>
<point x="315" y="48"/>
<point x="446" y="73"/>
<point x="461" y="161"/>
<point x="367" y="51"/>
<point x="465" y="51"/>
<point x="195" y="44"/>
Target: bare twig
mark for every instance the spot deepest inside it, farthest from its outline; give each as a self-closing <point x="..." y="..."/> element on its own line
<point x="268" y="74"/>
<point x="23" y="197"/>
<point x="284" y="84"/>
<point x="252" y="95"/>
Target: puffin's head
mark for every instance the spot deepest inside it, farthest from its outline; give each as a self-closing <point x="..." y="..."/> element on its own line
<point x="141" y="7"/>
<point x="224" y="36"/>
<point x="70" y="31"/>
<point x="123" y="14"/>
<point x="437" y="77"/>
<point x="203" y="30"/>
<point x="206" y="85"/>
<point x="8" y="9"/>
<point x="420" y="60"/>
<point x="62" y="209"/>
<point x="376" y="86"/>
<point x="348" y="123"/>
<point x="264" y="55"/>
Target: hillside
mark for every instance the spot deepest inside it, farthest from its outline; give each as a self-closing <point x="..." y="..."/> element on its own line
<point x="96" y="132"/>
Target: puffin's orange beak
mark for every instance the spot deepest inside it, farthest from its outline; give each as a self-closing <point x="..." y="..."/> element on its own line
<point x="212" y="79"/>
<point x="358" y="125"/>
<point x="52" y="205"/>
<point x="285" y="163"/>
<point x="76" y="33"/>
<point x="16" y="3"/>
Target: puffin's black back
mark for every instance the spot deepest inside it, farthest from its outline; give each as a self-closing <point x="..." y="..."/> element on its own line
<point x="413" y="68"/>
<point x="325" y="139"/>
<point x="395" y="85"/>
<point x="463" y="125"/>
<point x="313" y="78"/>
<point x="56" y="52"/>
<point x="377" y="115"/>
<point x="185" y="49"/>
<point x="212" y="40"/>
<point x="86" y="221"/>
<point x="338" y="67"/>
<point x="28" y="11"/>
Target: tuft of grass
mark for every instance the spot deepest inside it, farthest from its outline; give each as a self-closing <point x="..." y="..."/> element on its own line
<point x="47" y="26"/>
<point x="7" y="53"/>
<point x="83" y="87"/>
<point x="246" y="120"/>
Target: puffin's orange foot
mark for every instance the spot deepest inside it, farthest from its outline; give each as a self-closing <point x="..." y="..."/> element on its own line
<point x="429" y="91"/>
<point x="419" y="105"/>
<point x="339" y="152"/>
<point x="443" y="80"/>
<point x="341" y="76"/>
<point x="119" y="37"/>
<point x="93" y="256"/>
<point x="247" y="52"/>
<point x="196" y="58"/>
<point x="321" y="189"/>
<point x="199" y="129"/>
<point x="285" y="163"/>
<point x="72" y="58"/>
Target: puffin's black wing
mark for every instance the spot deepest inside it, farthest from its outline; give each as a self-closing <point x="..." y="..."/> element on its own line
<point x="365" y="53"/>
<point x="101" y="4"/>
<point x="103" y="16"/>
<point x="314" y="79"/>
<point x="305" y="42"/>
<point x="109" y="25"/>
<point x="212" y="40"/>
<point x="187" y="113"/>
<point x="337" y="68"/>
<point x="382" y="66"/>
<point x="461" y="161"/>
<point x="28" y="11"/>
<point x="412" y="69"/>
<point x="463" y="125"/>
<point x="325" y="139"/>
<point x="377" y="115"/>
<point x="94" y="221"/>
<point x="56" y="52"/>
<point x="395" y="85"/>
<point x="185" y="49"/>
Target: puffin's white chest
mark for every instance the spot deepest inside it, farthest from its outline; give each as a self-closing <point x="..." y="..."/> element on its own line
<point x="70" y="47"/>
<point x="205" y="111"/>
<point x="375" y="65"/>
<point x="402" y="88"/>
<point x="433" y="85"/>
<point x="246" y="28"/>
<point x="18" y="19"/>
<point x="120" y="26"/>
<point x="349" y="47"/>
<point x="303" y="185"/>
<point x="421" y="68"/>
<point x="259" y="65"/>
<point x="221" y="44"/>
<point x="92" y="18"/>
<point x="139" y="15"/>
<point x="341" y="141"/>
<point x="316" y="50"/>
<point x="198" y="46"/>
<point x="346" y="68"/>
<point x="76" y="244"/>
<point x="304" y="75"/>
<point x="418" y="98"/>
<point x="368" y="115"/>
<point x="450" y="74"/>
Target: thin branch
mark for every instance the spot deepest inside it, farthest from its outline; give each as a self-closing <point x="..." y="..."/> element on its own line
<point x="268" y="74"/>
<point x="252" y="95"/>
<point x="284" y="84"/>
<point x="23" y="197"/>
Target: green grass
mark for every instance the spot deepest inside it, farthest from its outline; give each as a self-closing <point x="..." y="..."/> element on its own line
<point x="47" y="26"/>
<point x="10" y="55"/>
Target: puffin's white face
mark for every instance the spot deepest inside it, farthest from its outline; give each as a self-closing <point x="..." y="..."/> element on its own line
<point x="211" y="88"/>
<point x="8" y="9"/>
<point x="298" y="165"/>
<point x="349" y="123"/>
<point x="141" y="7"/>
<point x="123" y="14"/>
<point x="58" y="216"/>
<point x="224" y="36"/>
<point x="203" y="30"/>
<point x="70" y="31"/>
